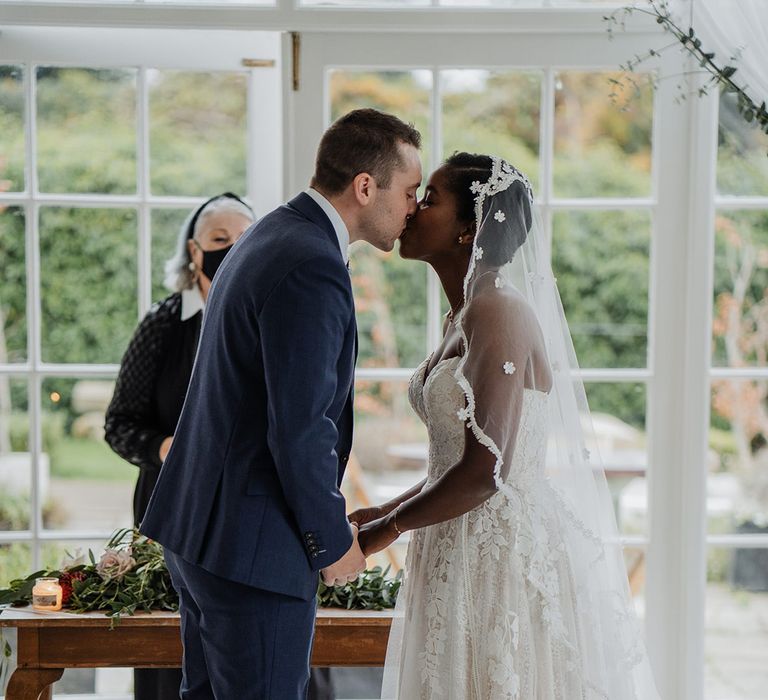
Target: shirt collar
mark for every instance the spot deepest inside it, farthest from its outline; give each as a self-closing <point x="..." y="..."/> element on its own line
<point x="342" y="232"/>
<point x="191" y="302"/>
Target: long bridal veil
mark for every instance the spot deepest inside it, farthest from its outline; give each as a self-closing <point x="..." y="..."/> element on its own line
<point x="513" y="314"/>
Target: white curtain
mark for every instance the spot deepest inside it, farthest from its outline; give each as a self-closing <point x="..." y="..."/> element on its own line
<point x="727" y="27"/>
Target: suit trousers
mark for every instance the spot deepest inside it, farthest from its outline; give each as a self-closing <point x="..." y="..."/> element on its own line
<point x="240" y="642"/>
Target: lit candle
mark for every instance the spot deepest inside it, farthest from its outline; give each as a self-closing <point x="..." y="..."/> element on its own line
<point x="46" y="595"/>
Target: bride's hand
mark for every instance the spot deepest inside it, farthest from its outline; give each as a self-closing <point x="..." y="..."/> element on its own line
<point x="377" y="535"/>
<point x="362" y="516"/>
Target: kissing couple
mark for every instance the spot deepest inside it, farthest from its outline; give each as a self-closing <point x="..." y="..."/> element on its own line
<point x="515" y="586"/>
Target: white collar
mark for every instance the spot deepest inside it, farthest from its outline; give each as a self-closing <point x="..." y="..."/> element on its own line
<point x="191" y="302"/>
<point x="342" y="232"/>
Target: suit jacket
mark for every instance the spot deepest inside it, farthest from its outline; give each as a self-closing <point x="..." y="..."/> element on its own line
<point x="250" y="488"/>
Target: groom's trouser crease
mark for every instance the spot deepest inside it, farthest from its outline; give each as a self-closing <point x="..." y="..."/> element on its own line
<point x="258" y="642"/>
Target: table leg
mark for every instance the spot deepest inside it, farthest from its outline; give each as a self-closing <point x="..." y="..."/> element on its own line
<point x="32" y="683"/>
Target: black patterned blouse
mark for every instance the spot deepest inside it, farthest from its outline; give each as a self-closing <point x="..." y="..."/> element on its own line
<point x="150" y="389"/>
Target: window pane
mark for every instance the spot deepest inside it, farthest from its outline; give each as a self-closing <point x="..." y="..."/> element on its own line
<point x="736" y="642"/>
<point x="602" y="149"/>
<point x="740" y="323"/>
<point x="742" y="165"/>
<point x="601" y="261"/>
<point x="197" y="132"/>
<point x="495" y="113"/>
<point x="86" y="130"/>
<point x="618" y="419"/>
<point x="406" y="94"/>
<point x="166" y="224"/>
<point x="88" y="283"/>
<point x="11" y="129"/>
<point x="13" y="291"/>
<point x="389" y="454"/>
<point x="15" y="460"/>
<point x="737" y="483"/>
<point x="391" y="302"/>
<point x="15" y="562"/>
<point x="90" y="486"/>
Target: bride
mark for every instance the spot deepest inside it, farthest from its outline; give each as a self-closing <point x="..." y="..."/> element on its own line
<point x="515" y="586"/>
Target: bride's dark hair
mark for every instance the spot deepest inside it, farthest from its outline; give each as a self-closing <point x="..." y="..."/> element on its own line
<point x="461" y="170"/>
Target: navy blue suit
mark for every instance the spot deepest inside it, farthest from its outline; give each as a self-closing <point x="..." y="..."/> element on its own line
<point x="247" y="503"/>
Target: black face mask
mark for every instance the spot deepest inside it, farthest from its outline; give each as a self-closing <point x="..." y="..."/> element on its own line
<point x="212" y="259"/>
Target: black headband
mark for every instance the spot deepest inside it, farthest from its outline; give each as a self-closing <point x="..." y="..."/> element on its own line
<point x="196" y="215"/>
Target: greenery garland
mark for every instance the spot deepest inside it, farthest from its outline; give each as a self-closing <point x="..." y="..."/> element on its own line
<point x="721" y="76"/>
<point x="131" y="575"/>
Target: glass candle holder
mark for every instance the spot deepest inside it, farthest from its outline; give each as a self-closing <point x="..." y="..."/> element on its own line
<point x="46" y="595"/>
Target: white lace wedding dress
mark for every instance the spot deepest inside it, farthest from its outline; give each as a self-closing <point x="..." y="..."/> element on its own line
<point x="489" y="599"/>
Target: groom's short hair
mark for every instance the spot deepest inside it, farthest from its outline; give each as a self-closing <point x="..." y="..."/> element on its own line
<point x="362" y="141"/>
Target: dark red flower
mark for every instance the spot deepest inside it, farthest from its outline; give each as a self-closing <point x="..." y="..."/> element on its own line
<point x="66" y="581"/>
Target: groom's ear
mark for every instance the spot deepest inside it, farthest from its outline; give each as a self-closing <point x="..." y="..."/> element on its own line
<point x="363" y="187"/>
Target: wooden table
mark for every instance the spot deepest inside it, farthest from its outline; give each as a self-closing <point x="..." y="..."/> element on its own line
<point x="50" y="642"/>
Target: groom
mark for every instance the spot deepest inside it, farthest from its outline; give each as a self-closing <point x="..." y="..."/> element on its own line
<point x="247" y="505"/>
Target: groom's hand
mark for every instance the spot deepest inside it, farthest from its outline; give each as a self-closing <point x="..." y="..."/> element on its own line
<point x="349" y="567"/>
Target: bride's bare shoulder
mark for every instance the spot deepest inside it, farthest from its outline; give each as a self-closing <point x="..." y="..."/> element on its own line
<point x="493" y="304"/>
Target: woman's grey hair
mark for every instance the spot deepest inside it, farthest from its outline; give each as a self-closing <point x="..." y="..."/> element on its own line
<point x="178" y="276"/>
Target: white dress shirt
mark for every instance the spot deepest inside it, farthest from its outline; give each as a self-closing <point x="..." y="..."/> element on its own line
<point x="342" y="233"/>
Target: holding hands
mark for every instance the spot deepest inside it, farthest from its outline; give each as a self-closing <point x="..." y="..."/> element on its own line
<point x="373" y="529"/>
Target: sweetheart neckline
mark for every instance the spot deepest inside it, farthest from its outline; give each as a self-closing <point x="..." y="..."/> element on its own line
<point x="424" y="375"/>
